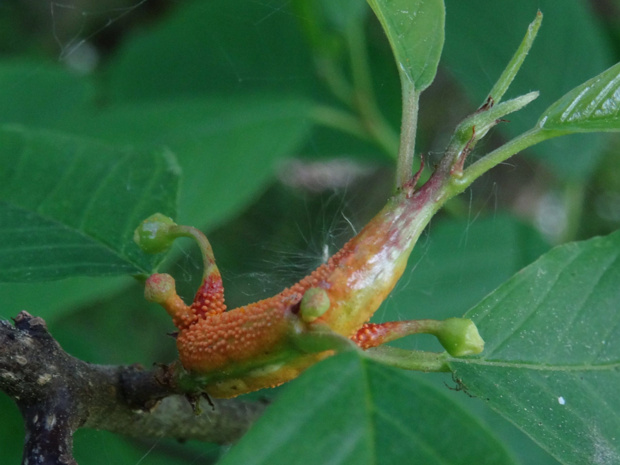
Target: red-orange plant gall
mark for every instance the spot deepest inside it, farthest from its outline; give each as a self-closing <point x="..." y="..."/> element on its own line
<point x="266" y="343"/>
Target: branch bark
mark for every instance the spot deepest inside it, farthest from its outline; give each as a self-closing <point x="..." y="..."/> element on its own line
<point x="57" y="394"/>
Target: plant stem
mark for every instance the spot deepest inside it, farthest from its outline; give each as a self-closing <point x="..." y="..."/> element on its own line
<point x="206" y="251"/>
<point x="339" y="119"/>
<point x="382" y="132"/>
<point x="335" y="80"/>
<point x="501" y="154"/>
<point x="364" y="98"/>
<point x="362" y="80"/>
<point x="409" y="124"/>
<point x="58" y="394"/>
<point x="409" y="359"/>
<point x="573" y="198"/>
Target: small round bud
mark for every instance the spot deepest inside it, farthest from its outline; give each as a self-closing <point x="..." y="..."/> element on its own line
<point x="314" y="304"/>
<point x="152" y="235"/>
<point x="459" y="336"/>
<point x="159" y="288"/>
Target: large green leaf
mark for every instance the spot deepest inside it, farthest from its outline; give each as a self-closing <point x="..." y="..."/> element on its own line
<point x="53" y="299"/>
<point x="37" y="94"/>
<point x="415" y="29"/>
<point x="481" y="37"/>
<point x="68" y="206"/>
<point x="592" y="106"/>
<point x="228" y="147"/>
<point x="552" y="358"/>
<point x="212" y="47"/>
<point x="451" y="269"/>
<point x="348" y="410"/>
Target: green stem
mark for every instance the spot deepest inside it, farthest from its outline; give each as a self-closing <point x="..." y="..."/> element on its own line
<point x="573" y="198"/>
<point x="409" y="359"/>
<point x="318" y="339"/>
<point x="362" y="80"/>
<point x="382" y="132"/>
<point x="335" y="80"/>
<point x="499" y="155"/>
<point x="409" y="124"/>
<point x="338" y="119"/>
<point x="203" y="243"/>
<point x="364" y="98"/>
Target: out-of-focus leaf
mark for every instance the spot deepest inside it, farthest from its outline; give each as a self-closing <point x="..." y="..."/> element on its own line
<point x="102" y="448"/>
<point x="11" y="431"/>
<point x="415" y="29"/>
<point x="349" y="410"/>
<point x="552" y="358"/>
<point x="476" y="61"/>
<point x="68" y="206"/>
<point x="342" y="13"/>
<point x="592" y="106"/>
<point x="53" y="299"/>
<point x="37" y="94"/>
<point x="227" y="147"/>
<point x="216" y="46"/>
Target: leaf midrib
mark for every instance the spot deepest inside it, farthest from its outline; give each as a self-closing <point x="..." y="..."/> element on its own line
<point x="538" y="367"/>
<point x="92" y="239"/>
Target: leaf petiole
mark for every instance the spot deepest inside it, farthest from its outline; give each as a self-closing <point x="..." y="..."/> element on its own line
<point x="501" y="154"/>
<point x="410" y="359"/>
<point x="406" y="150"/>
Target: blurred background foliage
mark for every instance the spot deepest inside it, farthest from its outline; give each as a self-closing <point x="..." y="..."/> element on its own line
<point x="254" y="100"/>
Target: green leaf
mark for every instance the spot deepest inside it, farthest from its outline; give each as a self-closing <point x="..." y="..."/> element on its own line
<point x="96" y="447"/>
<point x="415" y="29"/>
<point x="476" y="62"/>
<point x="451" y="269"/>
<point x="68" y="206"/>
<point x="37" y="94"/>
<point x="381" y="415"/>
<point x="552" y="357"/>
<point x="54" y="299"/>
<point x="228" y="147"/>
<point x="592" y="106"/>
<point x="211" y="47"/>
<point x="11" y="431"/>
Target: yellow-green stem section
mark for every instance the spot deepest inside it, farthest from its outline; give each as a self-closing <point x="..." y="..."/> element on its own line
<point x="499" y="155"/>
<point x="409" y="125"/>
<point x="203" y="243"/>
<point x="409" y="359"/>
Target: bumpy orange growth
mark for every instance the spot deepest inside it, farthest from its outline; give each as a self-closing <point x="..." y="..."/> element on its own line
<point x="258" y="345"/>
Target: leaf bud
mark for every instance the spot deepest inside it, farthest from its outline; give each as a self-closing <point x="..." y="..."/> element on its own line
<point x="459" y="336"/>
<point x="153" y="234"/>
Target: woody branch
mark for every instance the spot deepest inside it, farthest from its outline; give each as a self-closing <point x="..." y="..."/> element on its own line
<point x="57" y="394"/>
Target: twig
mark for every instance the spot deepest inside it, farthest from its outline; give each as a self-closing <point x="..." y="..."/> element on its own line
<point x="57" y="394"/>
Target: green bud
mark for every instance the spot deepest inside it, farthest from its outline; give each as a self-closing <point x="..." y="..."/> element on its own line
<point x="153" y="236"/>
<point x="314" y="304"/>
<point x="459" y="336"/>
